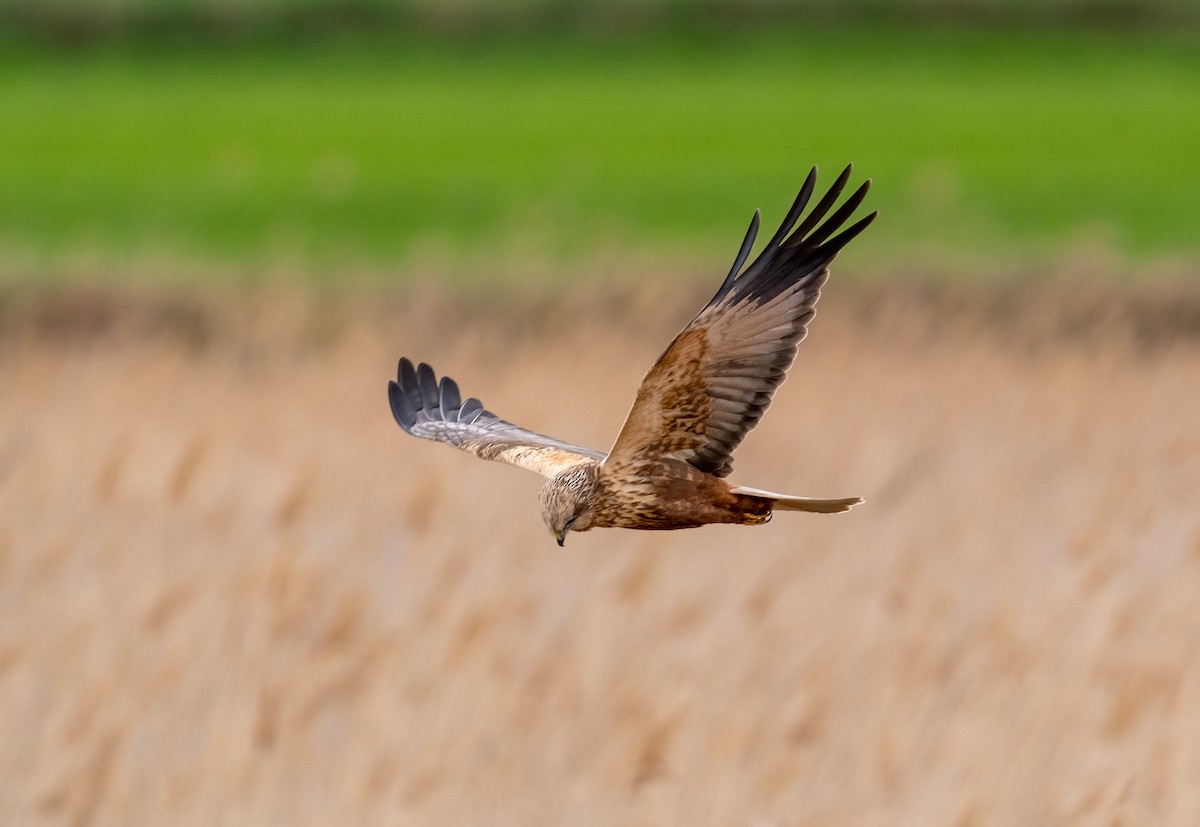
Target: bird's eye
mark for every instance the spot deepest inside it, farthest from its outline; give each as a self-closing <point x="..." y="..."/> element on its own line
<point x="569" y="523"/>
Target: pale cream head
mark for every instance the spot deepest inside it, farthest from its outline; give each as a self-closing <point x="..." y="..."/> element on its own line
<point x="567" y="501"/>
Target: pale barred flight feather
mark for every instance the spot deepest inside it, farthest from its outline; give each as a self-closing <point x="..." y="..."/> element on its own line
<point x="430" y="409"/>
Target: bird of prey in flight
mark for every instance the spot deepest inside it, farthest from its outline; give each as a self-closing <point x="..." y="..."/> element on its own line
<point x="667" y="468"/>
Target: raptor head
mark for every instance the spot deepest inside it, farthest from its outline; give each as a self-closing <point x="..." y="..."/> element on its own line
<point x="567" y="501"/>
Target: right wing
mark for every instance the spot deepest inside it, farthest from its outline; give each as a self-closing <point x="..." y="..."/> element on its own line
<point x="714" y="382"/>
<point x="434" y="410"/>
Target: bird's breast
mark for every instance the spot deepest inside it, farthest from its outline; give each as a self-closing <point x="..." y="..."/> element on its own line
<point x="667" y="494"/>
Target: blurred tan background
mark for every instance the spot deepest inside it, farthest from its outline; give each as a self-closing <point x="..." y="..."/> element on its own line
<point x="233" y="592"/>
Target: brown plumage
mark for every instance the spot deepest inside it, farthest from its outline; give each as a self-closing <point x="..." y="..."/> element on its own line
<point x="710" y="387"/>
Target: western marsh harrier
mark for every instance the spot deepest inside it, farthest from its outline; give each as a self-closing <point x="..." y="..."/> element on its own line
<point x="668" y="465"/>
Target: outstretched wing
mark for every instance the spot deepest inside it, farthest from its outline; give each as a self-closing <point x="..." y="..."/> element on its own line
<point x="715" y="381"/>
<point x="430" y="409"/>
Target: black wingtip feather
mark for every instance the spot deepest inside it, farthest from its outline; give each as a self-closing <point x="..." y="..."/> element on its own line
<point x="827" y="201"/>
<point x="449" y="399"/>
<point x="428" y="384"/>
<point x="838" y="218"/>
<point x="804" y="251"/>
<point x="793" y="213"/>
<point x="406" y="375"/>
<point x="404" y="416"/>
<point x="847" y="235"/>
<point x="743" y="254"/>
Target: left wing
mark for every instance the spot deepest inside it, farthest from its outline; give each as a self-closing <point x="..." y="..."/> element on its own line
<point x="715" y="381"/>
<point x="427" y="408"/>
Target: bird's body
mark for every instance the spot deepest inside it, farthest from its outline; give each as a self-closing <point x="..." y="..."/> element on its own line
<point x="662" y="495"/>
<point x="710" y="387"/>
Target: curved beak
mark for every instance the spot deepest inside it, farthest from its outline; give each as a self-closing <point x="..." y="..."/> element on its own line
<point x="561" y="536"/>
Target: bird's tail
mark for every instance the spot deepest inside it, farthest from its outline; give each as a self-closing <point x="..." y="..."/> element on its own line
<point x="786" y="502"/>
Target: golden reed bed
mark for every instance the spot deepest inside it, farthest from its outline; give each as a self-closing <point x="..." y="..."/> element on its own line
<point x="231" y="591"/>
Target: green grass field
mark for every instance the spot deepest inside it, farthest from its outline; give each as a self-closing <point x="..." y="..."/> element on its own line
<point x="986" y="143"/>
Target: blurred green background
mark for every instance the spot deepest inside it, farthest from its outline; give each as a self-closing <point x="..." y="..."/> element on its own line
<point x="322" y="132"/>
